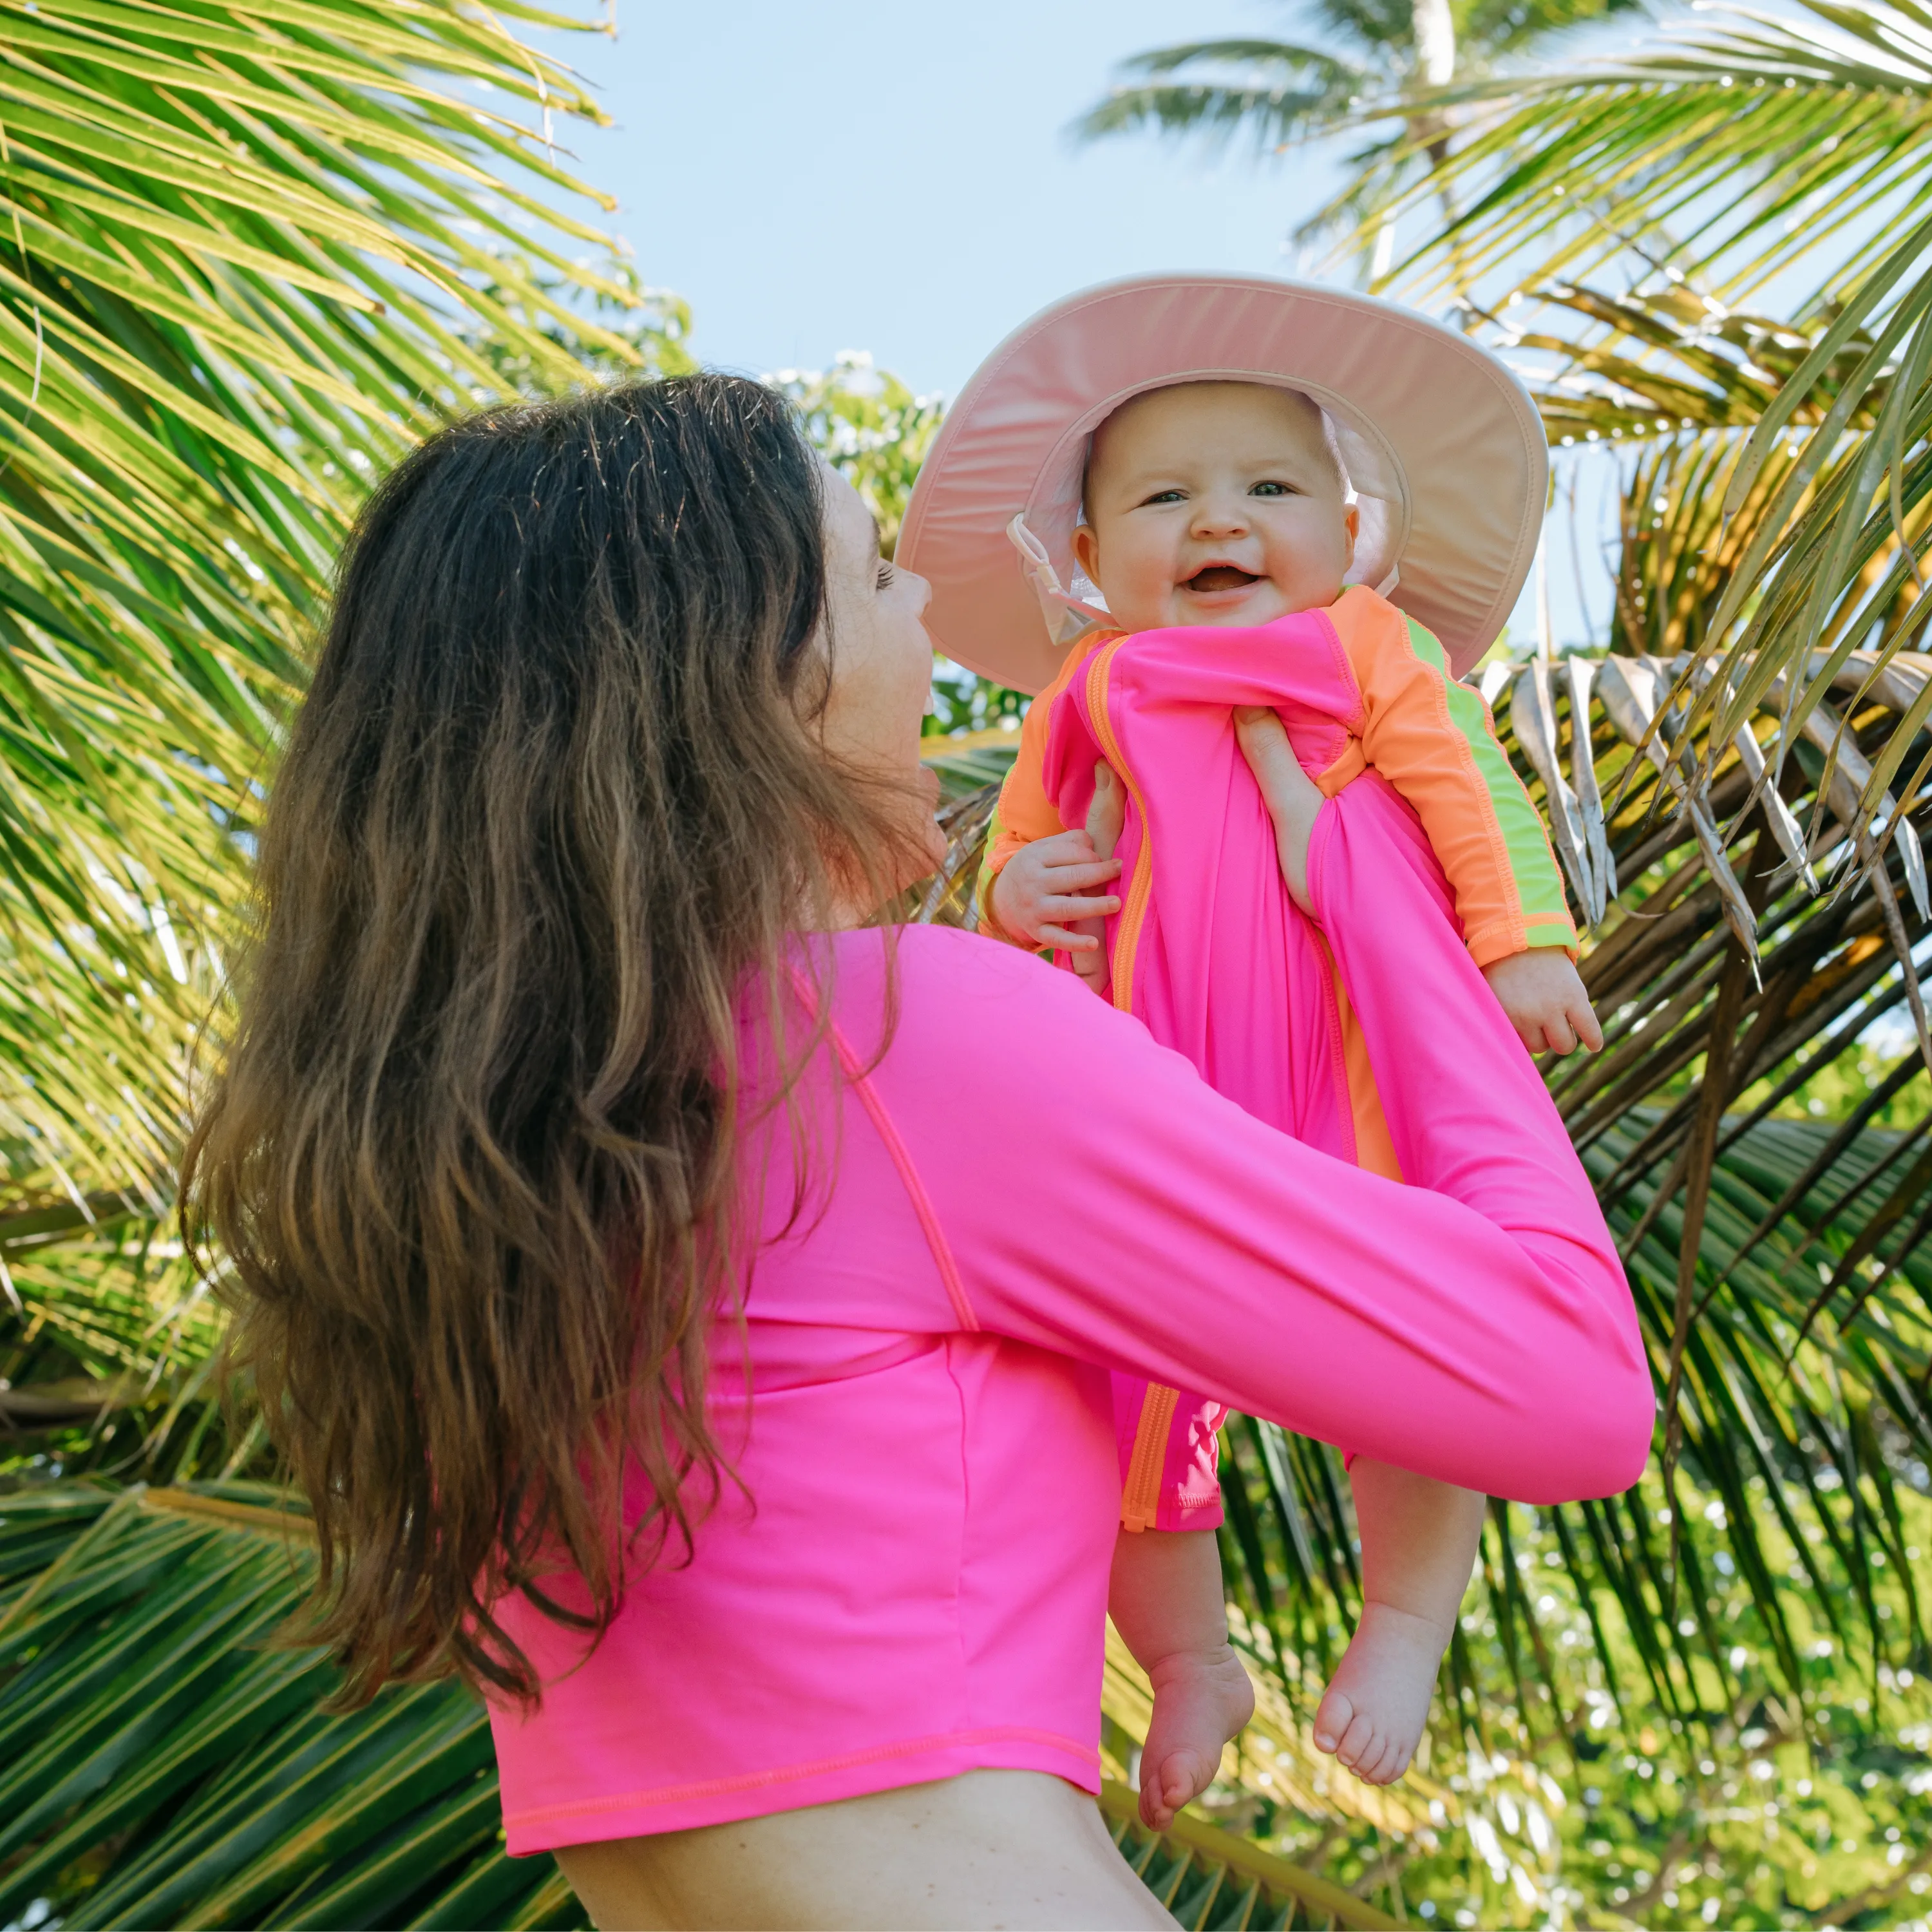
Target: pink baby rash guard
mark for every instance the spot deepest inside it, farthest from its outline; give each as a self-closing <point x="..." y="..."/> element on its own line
<point x="1020" y="1197"/>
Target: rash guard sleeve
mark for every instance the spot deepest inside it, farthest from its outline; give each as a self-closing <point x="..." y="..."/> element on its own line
<point x="1433" y="738"/>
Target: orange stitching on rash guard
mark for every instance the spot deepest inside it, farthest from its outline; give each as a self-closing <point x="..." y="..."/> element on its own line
<point x="1133" y="914"/>
<point x="915" y="1188"/>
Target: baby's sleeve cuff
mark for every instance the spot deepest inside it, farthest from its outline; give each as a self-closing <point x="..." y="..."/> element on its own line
<point x="1489" y="944"/>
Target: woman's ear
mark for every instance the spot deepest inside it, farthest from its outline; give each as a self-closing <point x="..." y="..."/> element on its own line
<point x="1087" y="552"/>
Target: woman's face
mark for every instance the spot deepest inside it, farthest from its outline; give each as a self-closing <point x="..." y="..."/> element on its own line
<point x="881" y="661"/>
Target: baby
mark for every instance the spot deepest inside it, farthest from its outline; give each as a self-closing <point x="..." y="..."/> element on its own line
<point x="1223" y="503"/>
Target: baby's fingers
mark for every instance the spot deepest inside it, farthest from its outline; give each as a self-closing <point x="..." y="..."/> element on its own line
<point x="1556" y="1036"/>
<point x="1061" y="880"/>
<point x="1058" y="936"/>
<point x="1063" y="909"/>
<point x="1584" y="1019"/>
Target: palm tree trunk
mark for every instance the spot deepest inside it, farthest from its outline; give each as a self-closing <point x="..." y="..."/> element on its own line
<point x="1435" y="29"/>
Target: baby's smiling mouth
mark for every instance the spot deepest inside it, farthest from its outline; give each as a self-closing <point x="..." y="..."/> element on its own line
<point x="1219" y="577"/>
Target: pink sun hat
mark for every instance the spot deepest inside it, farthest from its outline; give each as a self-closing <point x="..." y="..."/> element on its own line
<point x="1444" y="451"/>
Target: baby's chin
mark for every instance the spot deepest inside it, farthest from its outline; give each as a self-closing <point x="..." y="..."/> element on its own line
<point x="1260" y="602"/>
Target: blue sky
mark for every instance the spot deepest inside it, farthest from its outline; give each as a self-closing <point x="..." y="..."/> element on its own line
<point x="853" y="175"/>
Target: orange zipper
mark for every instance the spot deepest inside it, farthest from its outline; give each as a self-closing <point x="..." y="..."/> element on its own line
<point x="1140" y="1500"/>
<point x="1140" y="887"/>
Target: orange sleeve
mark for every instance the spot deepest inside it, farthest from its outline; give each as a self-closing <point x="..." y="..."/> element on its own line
<point x="1024" y="812"/>
<point x="1433" y="740"/>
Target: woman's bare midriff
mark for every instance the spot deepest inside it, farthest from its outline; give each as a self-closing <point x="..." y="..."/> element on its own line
<point x="1015" y="1849"/>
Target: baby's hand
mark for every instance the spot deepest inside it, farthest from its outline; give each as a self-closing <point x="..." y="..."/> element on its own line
<point x="1046" y="887"/>
<point x="1543" y="993"/>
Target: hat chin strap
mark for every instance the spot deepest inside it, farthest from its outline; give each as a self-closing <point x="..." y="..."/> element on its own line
<point x="1068" y="618"/>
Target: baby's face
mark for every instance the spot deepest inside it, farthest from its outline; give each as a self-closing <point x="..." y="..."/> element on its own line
<point x="1214" y="503"/>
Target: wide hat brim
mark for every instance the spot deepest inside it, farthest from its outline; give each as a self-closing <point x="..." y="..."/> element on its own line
<point x="1443" y="448"/>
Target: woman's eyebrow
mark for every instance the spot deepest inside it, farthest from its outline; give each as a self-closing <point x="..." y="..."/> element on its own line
<point x="878" y="537"/>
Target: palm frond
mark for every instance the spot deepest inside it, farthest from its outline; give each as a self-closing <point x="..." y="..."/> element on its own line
<point x="1296" y="91"/>
<point x="245" y="254"/>
<point x="1727" y="154"/>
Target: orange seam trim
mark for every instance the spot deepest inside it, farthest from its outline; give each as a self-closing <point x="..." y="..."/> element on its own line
<point x="1358" y="720"/>
<point x="915" y="1188"/>
<point x="1140" y="1508"/>
<point x="718" y="1787"/>
<point x="1126" y="934"/>
<point x="1338" y="1051"/>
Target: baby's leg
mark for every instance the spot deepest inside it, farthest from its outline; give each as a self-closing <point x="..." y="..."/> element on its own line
<point x="1166" y="1601"/>
<point x="1419" y="1540"/>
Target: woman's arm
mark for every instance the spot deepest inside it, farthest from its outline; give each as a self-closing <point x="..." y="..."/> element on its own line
<point x="1473" y="1325"/>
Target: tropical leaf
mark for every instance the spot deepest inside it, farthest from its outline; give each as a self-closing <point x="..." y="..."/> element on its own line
<point x="1705" y="167"/>
<point x="1371" y="57"/>
<point x="1721" y="155"/>
<point x="247" y="255"/>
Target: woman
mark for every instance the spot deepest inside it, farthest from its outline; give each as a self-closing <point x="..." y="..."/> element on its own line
<point x="688" y="1308"/>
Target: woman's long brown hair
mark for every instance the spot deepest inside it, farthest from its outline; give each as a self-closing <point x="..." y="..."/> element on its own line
<point x="552" y="804"/>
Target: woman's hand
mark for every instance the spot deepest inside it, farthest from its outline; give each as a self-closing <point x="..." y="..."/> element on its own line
<point x="1291" y="797"/>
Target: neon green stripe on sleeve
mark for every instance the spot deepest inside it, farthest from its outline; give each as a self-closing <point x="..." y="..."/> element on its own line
<point x="1539" y="885"/>
<point x="983" y="886"/>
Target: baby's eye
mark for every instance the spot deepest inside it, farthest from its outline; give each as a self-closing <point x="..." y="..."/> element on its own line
<point x="1271" y="489"/>
<point x="1165" y="496"/>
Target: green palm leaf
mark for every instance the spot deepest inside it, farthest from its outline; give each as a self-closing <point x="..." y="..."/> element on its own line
<point x="246" y="254"/>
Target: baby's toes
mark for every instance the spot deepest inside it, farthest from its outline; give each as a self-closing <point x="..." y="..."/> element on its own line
<point x="1184" y="1777"/>
<point x="1171" y="1786"/>
<point x="1361" y="1743"/>
<point x="1332" y="1718"/>
<point x="1396" y="1757"/>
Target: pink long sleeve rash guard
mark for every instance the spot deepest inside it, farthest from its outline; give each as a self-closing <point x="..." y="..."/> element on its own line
<point x="1025" y="1193"/>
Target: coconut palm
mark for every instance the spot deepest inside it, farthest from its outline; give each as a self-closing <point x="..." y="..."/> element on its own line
<point x="1363" y="59"/>
<point x="1791" y="153"/>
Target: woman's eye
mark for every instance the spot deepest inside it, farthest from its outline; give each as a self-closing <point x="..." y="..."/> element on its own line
<point x="885" y="575"/>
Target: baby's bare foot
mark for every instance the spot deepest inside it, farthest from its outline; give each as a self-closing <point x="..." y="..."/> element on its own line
<point x="1201" y="1699"/>
<point x="1377" y="1701"/>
